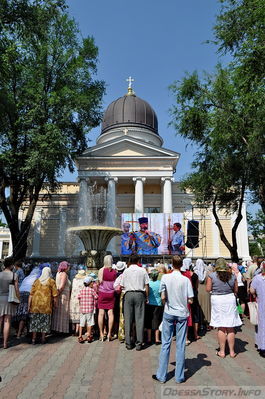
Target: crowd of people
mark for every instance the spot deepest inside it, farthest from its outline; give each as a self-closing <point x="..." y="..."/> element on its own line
<point x="137" y="304"/>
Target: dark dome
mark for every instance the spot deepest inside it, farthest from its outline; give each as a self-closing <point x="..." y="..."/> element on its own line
<point x="129" y="110"/>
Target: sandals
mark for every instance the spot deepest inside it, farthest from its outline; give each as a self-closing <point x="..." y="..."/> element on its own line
<point x="218" y="355"/>
<point x="81" y="340"/>
<point x="235" y="355"/>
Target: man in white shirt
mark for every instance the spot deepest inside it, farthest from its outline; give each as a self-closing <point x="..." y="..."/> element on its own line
<point x="176" y="292"/>
<point x="135" y="281"/>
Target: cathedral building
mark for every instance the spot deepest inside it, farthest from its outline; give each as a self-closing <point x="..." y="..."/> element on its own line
<point x="127" y="172"/>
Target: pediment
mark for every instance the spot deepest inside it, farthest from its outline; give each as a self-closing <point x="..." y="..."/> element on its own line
<point x="128" y="147"/>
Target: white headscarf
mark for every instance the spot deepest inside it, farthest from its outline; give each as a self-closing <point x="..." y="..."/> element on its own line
<point x="200" y="270"/>
<point x="45" y="275"/>
<point x="186" y="264"/>
<point x="29" y="280"/>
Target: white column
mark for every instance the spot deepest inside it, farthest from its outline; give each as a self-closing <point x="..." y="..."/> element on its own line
<point x="215" y="238"/>
<point x="139" y="194"/>
<point x="20" y="216"/>
<point x="10" y="247"/>
<point x="111" y="201"/>
<point x="167" y="194"/>
<point x="84" y="205"/>
<point x="36" y="233"/>
<point x="1" y="249"/>
<point x="111" y="210"/>
<point x="62" y="232"/>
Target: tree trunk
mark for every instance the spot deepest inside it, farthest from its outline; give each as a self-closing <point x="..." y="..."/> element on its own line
<point x="19" y="231"/>
<point x="231" y="248"/>
<point x="20" y="248"/>
<point x="262" y="197"/>
<point x="20" y="242"/>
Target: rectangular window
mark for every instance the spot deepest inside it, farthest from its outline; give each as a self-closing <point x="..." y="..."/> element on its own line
<point x="152" y="210"/>
<point x="5" y="249"/>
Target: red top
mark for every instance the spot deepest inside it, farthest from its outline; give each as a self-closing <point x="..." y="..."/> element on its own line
<point x="109" y="274"/>
<point x="187" y="273"/>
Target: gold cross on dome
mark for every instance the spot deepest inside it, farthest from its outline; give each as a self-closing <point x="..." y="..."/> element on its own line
<point x="130" y="80"/>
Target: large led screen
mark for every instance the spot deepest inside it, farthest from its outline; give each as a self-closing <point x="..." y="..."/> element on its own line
<point x="152" y="233"/>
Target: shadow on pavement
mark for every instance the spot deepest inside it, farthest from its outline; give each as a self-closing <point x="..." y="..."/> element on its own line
<point x="192" y="365"/>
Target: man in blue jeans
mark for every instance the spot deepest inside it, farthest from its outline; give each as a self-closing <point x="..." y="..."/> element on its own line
<point x="176" y="292"/>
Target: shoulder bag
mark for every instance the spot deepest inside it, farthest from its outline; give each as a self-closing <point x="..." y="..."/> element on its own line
<point x="253" y="312"/>
<point x="238" y="306"/>
<point x="12" y="296"/>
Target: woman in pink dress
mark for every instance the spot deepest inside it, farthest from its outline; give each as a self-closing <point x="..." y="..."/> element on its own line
<point x="106" y="296"/>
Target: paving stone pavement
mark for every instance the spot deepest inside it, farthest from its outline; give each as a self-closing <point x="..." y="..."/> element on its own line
<point x="65" y="369"/>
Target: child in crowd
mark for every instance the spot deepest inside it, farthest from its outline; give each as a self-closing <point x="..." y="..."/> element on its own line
<point x="87" y="301"/>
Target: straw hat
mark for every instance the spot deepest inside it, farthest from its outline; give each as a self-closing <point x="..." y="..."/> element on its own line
<point x="221" y="265"/>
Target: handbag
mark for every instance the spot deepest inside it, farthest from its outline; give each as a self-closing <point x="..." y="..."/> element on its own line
<point x="253" y="312"/>
<point x="12" y="295"/>
<point x="118" y="289"/>
<point x="239" y="307"/>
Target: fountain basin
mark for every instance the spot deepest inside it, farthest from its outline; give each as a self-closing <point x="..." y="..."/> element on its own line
<point x="95" y="237"/>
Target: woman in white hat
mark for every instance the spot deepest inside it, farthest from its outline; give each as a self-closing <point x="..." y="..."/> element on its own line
<point x="77" y="285"/>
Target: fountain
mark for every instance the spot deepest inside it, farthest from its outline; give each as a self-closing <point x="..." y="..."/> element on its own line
<point x="95" y="236"/>
<point x="95" y="240"/>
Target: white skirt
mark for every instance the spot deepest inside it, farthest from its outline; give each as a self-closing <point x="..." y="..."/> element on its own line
<point x="224" y="311"/>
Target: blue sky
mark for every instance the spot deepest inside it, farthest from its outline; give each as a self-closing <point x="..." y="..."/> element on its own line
<point x="155" y="42"/>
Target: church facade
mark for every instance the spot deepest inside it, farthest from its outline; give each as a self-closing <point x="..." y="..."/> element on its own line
<point x="127" y="171"/>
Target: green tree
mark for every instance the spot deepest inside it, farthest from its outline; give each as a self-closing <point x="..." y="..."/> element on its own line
<point x="257" y="228"/>
<point x="49" y="100"/>
<point x="239" y="30"/>
<point x="224" y="115"/>
<point x="211" y="113"/>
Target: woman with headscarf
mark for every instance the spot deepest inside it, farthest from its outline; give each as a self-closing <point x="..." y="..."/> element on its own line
<point x="43" y="296"/>
<point x="204" y="298"/>
<point x="222" y="283"/>
<point x="77" y="286"/>
<point x="60" y="317"/>
<point x="22" y="309"/>
<point x="258" y="288"/>
<point x="185" y="268"/>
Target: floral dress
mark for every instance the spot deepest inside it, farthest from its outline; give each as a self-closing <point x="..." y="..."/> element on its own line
<point x="78" y="284"/>
<point x="41" y="306"/>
